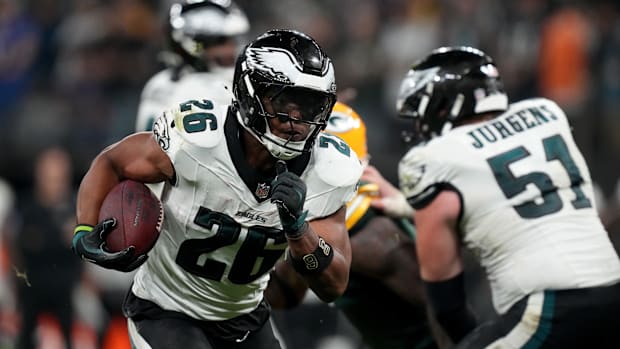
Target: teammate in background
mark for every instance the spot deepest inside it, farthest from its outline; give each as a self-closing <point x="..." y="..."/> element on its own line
<point x="509" y="182"/>
<point x="384" y="297"/>
<point x="244" y="181"/>
<point x="203" y="39"/>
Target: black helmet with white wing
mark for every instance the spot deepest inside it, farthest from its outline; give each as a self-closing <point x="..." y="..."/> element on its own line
<point x="448" y="86"/>
<point x="284" y="67"/>
<point x="195" y="26"/>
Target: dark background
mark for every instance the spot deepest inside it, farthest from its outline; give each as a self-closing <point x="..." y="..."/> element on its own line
<point x="71" y="72"/>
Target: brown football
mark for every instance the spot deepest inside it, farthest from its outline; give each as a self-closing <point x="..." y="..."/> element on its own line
<point x="139" y="216"/>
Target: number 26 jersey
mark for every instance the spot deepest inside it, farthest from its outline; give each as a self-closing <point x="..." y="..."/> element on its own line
<point x="527" y="201"/>
<point x="221" y="235"/>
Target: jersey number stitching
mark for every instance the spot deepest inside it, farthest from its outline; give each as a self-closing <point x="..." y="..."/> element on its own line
<point x="198" y="122"/>
<point x="555" y="149"/>
<point x="192" y="255"/>
<point x="341" y="146"/>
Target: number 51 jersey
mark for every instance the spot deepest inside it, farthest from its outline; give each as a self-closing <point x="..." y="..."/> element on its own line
<point x="527" y="201"/>
<point x="221" y="235"/>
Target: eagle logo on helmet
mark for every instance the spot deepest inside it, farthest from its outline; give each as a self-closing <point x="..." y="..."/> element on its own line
<point x="273" y="61"/>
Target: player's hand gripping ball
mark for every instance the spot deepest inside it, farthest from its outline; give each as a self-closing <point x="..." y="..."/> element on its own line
<point x="130" y="221"/>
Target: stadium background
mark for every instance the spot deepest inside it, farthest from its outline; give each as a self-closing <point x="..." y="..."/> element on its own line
<point x="71" y="71"/>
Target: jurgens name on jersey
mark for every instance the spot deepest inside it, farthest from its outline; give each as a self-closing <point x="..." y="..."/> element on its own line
<point x="511" y="124"/>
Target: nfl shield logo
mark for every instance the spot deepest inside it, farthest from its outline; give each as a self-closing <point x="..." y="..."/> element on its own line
<point x="262" y="190"/>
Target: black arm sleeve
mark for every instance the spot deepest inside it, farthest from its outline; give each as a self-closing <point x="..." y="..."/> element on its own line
<point x="447" y="299"/>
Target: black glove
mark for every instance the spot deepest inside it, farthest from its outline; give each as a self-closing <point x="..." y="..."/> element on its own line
<point x="89" y="244"/>
<point x="289" y="194"/>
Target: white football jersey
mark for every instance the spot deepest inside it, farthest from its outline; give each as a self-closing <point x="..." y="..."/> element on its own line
<point x="221" y="234"/>
<point x="162" y="93"/>
<point x="527" y="201"/>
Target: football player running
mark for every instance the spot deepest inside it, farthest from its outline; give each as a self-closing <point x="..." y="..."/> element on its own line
<point x="203" y="38"/>
<point x="382" y="300"/>
<point x="244" y="182"/>
<point x="509" y="182"/>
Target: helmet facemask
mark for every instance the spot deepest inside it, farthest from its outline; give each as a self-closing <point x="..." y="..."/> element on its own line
<point x="284" y="77"/>
<point x="288" y="104"/>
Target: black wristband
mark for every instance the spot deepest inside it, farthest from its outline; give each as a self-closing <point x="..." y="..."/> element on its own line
<point x="315" y="262"/>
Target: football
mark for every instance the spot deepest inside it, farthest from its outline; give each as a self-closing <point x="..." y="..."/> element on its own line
<point x="139" y="216"/>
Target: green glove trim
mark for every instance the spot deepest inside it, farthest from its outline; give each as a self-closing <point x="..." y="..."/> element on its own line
<point x="82" y="227"/>
<point x="297" y="229"/>
<point x="79" y="231"/>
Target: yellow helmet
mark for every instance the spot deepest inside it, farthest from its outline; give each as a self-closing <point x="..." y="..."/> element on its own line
<point x="345" y="123"/>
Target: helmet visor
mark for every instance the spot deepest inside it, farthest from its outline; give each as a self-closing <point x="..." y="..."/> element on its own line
<point x="312" y="105"/>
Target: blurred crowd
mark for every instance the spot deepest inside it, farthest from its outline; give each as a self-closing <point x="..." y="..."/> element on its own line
<point x="71" y="72"/>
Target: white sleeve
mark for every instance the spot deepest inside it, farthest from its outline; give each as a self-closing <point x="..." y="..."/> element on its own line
<point x="421" y="176"/>
<point x="334" y="178"/>
<point x="154" y="99"/>
<point x="166" y="135"/>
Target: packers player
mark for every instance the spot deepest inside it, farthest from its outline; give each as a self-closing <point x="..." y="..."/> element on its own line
<point x="383" y="299"/>
<point x="245" y="182"/>
<point x="509" y="182"/>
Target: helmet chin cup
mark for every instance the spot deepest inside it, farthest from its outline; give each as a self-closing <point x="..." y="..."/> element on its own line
<point x="278" y="147"/>
<point x="280" y="152"/>
<point x="282" y="148"/>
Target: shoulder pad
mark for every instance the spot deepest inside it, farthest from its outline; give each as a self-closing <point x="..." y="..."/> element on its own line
<point x="200" y="122"/>
<point x="548" y="106"/>
<point x="158" y="86"/>
<point x="199" y="86"/>
<point x="336" y="164"/>
<point x="419" y="175"/>
<point x="535" y="102"/>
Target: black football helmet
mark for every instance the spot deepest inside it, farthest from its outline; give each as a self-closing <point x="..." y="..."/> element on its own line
<point x="194" y="25"/>
<point x="284" y="66"/>
<point x="450" y="85"/>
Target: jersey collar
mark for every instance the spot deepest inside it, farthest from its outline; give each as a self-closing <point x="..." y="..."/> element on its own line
<point x="257" y="183"/>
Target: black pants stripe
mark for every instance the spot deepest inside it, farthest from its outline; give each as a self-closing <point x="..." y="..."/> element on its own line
<point x="577" y="318"/>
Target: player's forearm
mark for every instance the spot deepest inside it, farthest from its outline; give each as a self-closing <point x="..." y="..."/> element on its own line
<point x="324" y="267"/>
<point x="286" y="288"/>
<point x="332" y="282"/>
<point x="98" y="181"/>
<point x="448" y="302"/>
